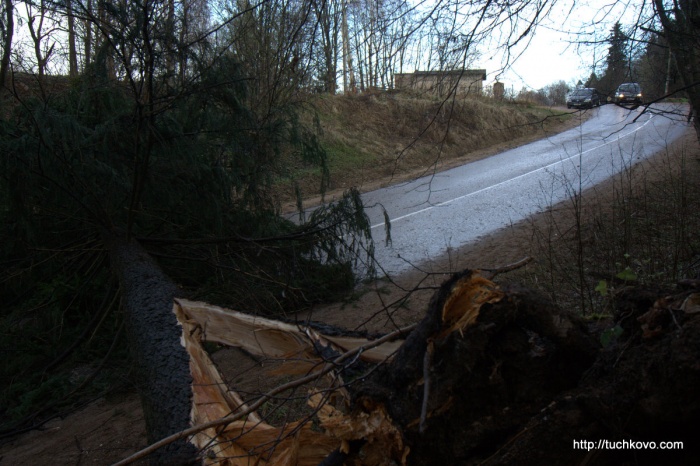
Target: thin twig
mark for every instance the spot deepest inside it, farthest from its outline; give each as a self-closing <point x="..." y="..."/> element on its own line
<point x="508" y="268"/>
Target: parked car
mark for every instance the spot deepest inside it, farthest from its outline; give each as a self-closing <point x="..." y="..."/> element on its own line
<point x="586" y="97"/>
<point x="628" y="92"/>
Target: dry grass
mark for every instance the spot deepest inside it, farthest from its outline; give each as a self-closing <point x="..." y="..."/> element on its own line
<point x="374" y="139"/>
<point x="640" y="224"/>
<point x="645" y="218"/>
<point x="640" y="227"/>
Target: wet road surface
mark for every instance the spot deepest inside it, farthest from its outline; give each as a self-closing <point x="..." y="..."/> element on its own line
<point x="456" y="207"/>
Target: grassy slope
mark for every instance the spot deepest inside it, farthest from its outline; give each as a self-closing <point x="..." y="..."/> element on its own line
<point x="641" y="221"/>
<point x="375" y="139"/>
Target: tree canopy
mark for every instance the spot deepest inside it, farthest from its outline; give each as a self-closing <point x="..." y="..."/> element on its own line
<point x="157" y="142"/>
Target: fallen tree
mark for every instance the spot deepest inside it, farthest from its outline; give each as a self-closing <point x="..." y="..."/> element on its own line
<point x="491" y="375"/>
<point x="161" y="363"/>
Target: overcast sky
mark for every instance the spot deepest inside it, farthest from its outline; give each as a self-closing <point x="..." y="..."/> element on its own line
<point x="549" y="58"/>
<point x="555" y="52"/>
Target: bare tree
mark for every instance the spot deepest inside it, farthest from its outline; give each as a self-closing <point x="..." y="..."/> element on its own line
<point x="8" y="28"/>
<point x="43" y="40"/>
<point x="72" y="51"/>
<point x="88" y="31"/>
<point x="556" y="92"/>
<point x="328" y="16"/>
<point x="679" y="21"/>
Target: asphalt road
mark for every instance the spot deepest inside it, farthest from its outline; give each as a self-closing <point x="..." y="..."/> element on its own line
<point x="456" y="207"/>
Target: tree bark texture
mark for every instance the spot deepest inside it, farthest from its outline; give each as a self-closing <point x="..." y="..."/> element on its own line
<point x="72" y="51"/>
<point x="7" y="42"/>
<point x="163" y="373"/>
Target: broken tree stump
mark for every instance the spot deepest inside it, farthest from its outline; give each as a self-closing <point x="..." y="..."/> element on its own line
<point x="500" y="376"/>
<point x="491" y="375"/>
<point x="495" y="358"/>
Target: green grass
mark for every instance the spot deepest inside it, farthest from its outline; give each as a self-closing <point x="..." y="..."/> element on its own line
<point x="343" y="157"/>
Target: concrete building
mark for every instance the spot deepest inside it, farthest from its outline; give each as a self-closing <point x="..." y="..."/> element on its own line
<point x="442" y="83"/>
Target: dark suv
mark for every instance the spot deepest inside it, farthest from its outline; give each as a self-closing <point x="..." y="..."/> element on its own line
<point x="628" y="92"/>
<point x="583" y="98"/>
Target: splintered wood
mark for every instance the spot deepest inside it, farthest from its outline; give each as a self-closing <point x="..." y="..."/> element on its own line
<point x="272" y="338"/>
<point x="252" y="441"/>
<point x="384" y="442"/>
<point x="465" y="300"/>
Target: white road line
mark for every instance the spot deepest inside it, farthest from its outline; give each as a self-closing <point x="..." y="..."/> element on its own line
<point x="444" y="203"/>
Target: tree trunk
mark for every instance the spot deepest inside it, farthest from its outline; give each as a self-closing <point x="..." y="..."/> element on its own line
<point x="7" y="42"/>
<point x="87" y="41"/>
<point x="681" y="31"/>
<point x="162" y="364"/>
<point x="170" y="38"/>
<point x="72" y="51"/>
<point x="348" y="74"/>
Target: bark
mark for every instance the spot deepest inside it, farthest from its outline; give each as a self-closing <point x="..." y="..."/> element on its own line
<point x="72" y="51"/>
<point x="162" y="364"/>
<point x="88" y="25"/>
<point x="7" y="42"/>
